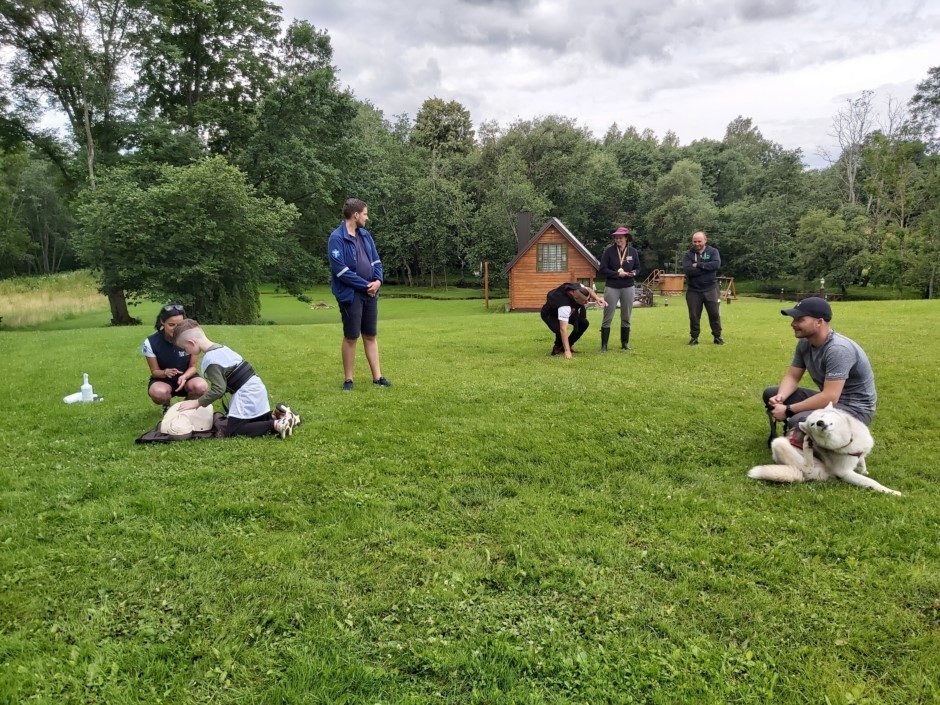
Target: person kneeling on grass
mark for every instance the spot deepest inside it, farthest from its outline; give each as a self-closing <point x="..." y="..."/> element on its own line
<point x="249" y="413"/>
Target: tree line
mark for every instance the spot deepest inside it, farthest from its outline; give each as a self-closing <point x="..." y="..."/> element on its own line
<point x="207" y="150"/>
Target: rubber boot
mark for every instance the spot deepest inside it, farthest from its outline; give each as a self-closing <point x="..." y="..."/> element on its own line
<point x="605" y="336"/>
<point x="625" y="338"/>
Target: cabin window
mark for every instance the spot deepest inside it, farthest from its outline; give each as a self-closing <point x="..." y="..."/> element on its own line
<point x="552" y="257"/>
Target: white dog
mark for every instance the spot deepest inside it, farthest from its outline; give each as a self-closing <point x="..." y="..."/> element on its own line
<point x="835" y="446"/>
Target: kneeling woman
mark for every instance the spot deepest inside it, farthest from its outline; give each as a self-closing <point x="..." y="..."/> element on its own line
<point x="172" y="370"/>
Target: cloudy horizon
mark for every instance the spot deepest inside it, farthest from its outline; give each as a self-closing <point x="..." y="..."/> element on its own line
<point x="688" y="67"/>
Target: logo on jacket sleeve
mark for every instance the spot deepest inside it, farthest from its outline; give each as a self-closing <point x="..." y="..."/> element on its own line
<point x="335" y="253"/>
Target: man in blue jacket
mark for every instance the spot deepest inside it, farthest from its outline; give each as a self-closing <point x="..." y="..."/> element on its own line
<point x="356" y="275"/>
<point x="701" y="264"/>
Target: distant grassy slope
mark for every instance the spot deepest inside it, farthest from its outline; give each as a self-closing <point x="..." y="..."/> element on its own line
<point x="71" y="301"/>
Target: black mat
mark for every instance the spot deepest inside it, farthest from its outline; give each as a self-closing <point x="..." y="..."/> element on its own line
<point x="219" y="422"/>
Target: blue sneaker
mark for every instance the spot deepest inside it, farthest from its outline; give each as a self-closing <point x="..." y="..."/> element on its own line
<point x="347" y="385"/>
<point x="382" y="382"/>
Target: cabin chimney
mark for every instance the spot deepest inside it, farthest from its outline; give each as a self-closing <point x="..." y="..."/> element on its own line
<point x="523" y="229"/>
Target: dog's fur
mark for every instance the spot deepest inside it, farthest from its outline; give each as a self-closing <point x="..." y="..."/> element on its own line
<point x="836" y="445"/>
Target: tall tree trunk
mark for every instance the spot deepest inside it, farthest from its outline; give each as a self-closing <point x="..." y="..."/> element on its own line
<point x="89" y="146"/>
<point x="120" y="316"/>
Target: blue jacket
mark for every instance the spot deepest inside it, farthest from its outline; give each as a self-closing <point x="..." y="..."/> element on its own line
<point x="341" y="251"/>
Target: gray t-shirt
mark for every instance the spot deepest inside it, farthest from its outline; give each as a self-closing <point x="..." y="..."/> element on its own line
<point x="841" y="358"/>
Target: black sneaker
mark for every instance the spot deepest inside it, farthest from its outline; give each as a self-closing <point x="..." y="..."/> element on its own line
<point x="382" y="382"/>
<point x="557" y="350"/>
<point x="347" y="385"/>
<point x="719" y="341"/>
<point x="693" y="341"/>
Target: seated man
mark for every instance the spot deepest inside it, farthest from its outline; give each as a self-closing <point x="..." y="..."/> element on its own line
<point x="838" y="366"/>
<point x="567" y="304"/>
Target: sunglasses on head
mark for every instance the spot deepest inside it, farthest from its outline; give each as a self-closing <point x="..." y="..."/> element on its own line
<point x="174" y="310"/>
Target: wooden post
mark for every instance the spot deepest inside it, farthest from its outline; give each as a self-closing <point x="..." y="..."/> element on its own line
<point x="486" y="284"/>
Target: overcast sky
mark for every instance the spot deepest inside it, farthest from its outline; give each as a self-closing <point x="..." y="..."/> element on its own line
<point x="686" y="66"/>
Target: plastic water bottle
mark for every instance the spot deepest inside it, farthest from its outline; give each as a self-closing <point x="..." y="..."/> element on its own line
<point x="88" y="393"/>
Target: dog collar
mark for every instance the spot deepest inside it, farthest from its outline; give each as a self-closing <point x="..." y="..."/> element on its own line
<point x="851" y="440"/>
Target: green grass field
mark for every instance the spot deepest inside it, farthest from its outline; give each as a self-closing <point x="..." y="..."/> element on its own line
<point x="499" y="527"/>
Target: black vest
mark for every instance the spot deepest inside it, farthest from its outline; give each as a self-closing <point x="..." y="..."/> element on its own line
<point x="168" y="355"/>
<point x="559" y="297"/>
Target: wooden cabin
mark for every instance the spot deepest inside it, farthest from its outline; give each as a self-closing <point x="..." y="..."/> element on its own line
<point x="551" y="258"/>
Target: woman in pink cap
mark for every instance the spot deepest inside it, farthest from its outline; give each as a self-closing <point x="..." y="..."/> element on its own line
<point x="620" y="264"/>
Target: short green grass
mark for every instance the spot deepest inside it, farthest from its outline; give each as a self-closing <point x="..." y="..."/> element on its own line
<point x="501" y="526"/>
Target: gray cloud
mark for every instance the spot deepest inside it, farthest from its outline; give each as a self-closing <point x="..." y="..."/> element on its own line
<point x="770" y="9"/>
<point x="505" y="59"/>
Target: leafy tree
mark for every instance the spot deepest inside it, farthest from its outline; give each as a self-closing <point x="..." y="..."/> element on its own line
<point x="926" y="252"/>
<point x="892" y="176"/>
<point x="156" y="140"/>
<point x="925" y="108"/>
<point x="443" y="128"/>
<point x="198" y="234"/>
<point x="639" y="156"/>
<point x="302" y="147"/>
<point x="73" y="52"/>
<point x="441" y="222"/>
<point x="47" y="217"/>
<point x="507" y="192"/>
<point x="907" y="256"/>
<point x="204" y="65"/>
<point x="608" y="199"/>
<point x="826" y="247"/>
<point x="851" y="126"/>
<point x="680" y="207"/>
<point x="388" y="169"/>
<point x="756" y="238"/>
<point x="557" y="153"/>
<point x="16" y="250"/>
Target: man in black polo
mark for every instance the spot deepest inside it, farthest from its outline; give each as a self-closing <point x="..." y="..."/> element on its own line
<point x="565" y="305"/>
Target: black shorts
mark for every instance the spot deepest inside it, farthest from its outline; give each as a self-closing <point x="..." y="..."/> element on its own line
<point x="360" y="316"/>
<point x="172" y="381"/>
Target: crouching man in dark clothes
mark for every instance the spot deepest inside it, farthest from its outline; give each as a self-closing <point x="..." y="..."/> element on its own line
<point x="565" y="305"/>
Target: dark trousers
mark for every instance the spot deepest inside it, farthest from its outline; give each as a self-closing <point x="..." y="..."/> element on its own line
<point x="709" y="299"/>
<point x="800" y="394"/>
<point x="580" y="324"/>
<point x="258" y="426"/>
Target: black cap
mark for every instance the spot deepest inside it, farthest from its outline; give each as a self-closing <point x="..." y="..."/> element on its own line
<point x="813" y="306"/>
